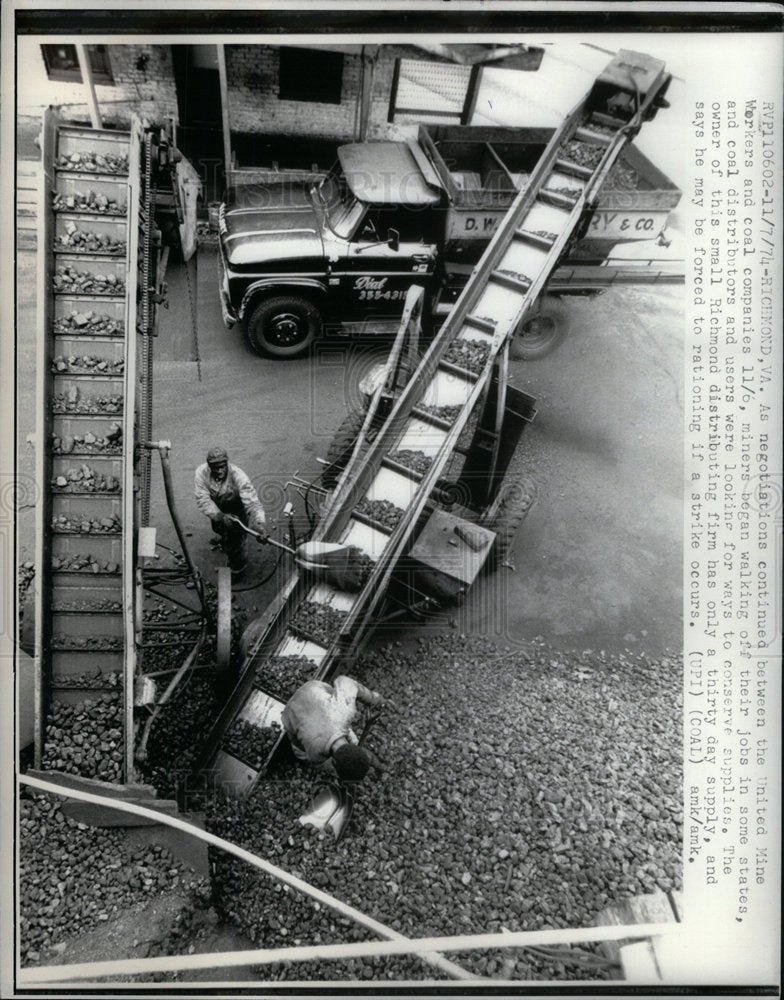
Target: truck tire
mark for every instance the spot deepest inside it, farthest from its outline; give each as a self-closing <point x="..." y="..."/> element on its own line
<point x="283" y="326"/>
<point x="341" y="446"/>
<point x="516" y="499"/>
<point x="541" y="334"/>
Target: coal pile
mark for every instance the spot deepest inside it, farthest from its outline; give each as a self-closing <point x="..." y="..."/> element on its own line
<point x="110" y="444"/>
<point x="73" y="877"/>
<point x="317" y="622"/>
<point x="85" y="525"/>
<point x="582" y="153"/>
<point x="85" y="479"/>
<point x="383" y="512"/>
<point x="89" y="606"/>
<point x="622" y="177"/>
<point x="90" y="679"/>
<point x="87" y="364"/>
<point x="469" y="354"/>
<point x="282" y="675"/>
<point x="69" y="280"/>
<point x="417" y="461"/>
<point x="83" y="562"/>
<point x="88" y="201"/>
<point x="103" y="163"/>
<point x="525" y="788"/>
<point x="74" y="401"/>
<point x="85" y="739"/>
<point x="177" y="735"/>
<point x="601" y="129"/>
<point x="89" y="322"/>
<point x="64" y="641"/>
<point x="85" y="241"/>
<point x="250" y="744"/>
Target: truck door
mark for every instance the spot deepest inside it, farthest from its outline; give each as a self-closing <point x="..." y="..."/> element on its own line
<point x="375" y="277"/>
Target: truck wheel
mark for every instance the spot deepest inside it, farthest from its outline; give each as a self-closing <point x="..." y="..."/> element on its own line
<point x="540" y="334"/>
<point x="283" y="327"/>
<point x="341" y="446"/>
<point x="516" y="499"/>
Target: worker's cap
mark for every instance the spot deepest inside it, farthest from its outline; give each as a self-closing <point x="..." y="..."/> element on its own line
<point x="351" y="762"/>
<point x="217" y="455"/>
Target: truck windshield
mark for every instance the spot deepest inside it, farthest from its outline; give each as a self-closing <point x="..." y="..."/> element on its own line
<point x="342" y="211"/>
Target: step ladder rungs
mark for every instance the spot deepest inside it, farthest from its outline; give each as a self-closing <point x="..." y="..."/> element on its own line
<point x="573" y="169"/>
<point x="480" y="323"/>
<point x="557" y="200"/>
<point x="604" y="119"/>
<point x="358" y="515"/>
<point x="401" y="469"/>
<point x="464" y="373"/>
<point x="594" y="138"/>
<point x="430" y="418"/>
<point x="533" y="239"/>
<point x="512" y="283"/>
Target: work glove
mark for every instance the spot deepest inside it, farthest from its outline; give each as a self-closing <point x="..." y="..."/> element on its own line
<point x="262" y="533"/>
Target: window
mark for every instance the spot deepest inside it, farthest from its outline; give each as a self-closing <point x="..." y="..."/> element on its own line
<point x="62" y="63"/>
<point x="429" y="92"/>
<point x="310" y="75"/>
<point x="413" y="226"/>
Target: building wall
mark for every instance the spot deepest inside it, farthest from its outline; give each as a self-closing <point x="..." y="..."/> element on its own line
<point x="150" y="93"/>
<point x="254" y="105"/>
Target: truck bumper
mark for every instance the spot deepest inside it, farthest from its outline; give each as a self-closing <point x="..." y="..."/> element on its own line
<point x="228" y="313"/>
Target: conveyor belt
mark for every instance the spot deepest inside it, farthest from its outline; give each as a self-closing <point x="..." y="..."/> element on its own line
<point x="87" y="401"/>
<point x="378" y="504"/>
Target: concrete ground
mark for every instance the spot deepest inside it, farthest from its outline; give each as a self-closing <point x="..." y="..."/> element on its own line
<point x="598" y="560"/>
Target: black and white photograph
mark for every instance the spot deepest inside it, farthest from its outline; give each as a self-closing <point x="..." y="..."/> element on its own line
<point x="391" y="505"/>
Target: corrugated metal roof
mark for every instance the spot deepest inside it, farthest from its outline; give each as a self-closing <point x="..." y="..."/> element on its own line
<point x="385" y="173"/>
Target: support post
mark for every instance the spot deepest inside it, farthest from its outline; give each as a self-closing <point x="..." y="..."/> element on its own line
<point x="87" y="80"/>
<point x="368" y="57"/>
<point x="226" y="125"/>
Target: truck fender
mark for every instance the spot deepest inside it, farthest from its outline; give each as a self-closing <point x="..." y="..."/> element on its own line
<point x="311" y="287"/>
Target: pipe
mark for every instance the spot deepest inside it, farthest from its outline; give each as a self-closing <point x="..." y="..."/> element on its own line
<point x="141" y="748"/>
<point x="299" y="884"/>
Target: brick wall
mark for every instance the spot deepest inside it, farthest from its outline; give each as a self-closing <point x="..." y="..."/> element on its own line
<point x="254" y="105"/>
<point x="150" y="93"/>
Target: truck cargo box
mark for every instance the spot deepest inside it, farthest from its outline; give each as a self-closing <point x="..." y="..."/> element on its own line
<point x="483" y="168"/>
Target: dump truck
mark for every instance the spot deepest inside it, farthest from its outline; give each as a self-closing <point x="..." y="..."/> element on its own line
<point x="299" y="251"/>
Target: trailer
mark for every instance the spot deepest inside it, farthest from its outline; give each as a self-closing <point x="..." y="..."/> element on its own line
<point x="421" y="487"/>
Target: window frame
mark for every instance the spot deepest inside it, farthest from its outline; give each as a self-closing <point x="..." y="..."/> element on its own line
<point x="104" y="76"/>
<point x="461" y="117"/>
<point x="308" y="91"/>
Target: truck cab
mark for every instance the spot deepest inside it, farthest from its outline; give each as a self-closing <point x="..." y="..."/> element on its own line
<point x="296" y="254"/>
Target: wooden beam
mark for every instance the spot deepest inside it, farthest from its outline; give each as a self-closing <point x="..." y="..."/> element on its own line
<point x="87" y="80"/>
<point x="472" y="93"/>
<point x="226" y="124"/>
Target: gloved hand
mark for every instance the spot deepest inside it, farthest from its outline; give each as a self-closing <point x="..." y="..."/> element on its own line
<point x="261" y="532"/>
<point x="219" y="518"/>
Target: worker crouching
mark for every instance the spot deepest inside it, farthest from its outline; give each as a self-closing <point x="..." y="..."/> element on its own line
<point x="317" y="720"/>
<point x="223" y="489"/>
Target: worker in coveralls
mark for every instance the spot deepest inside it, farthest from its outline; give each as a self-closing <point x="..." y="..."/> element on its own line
<point x="317" y="720"/>
<point x="221" y="489"/>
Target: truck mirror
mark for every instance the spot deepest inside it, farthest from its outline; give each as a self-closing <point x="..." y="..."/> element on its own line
<point x="393" y="239"/>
